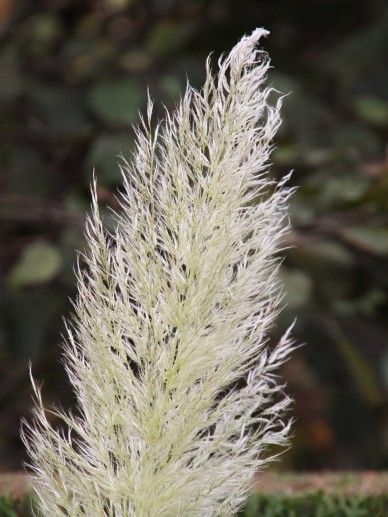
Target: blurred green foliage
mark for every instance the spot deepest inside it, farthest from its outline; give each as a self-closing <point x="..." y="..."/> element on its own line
<point x="73" y="76"/>
<point x="6" y="507"/>
<point x="315" y="505"/>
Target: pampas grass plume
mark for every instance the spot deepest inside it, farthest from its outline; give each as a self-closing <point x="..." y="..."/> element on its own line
<point x="168" y="351"/>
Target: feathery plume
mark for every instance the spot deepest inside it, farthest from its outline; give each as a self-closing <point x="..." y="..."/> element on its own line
<point x="168" y="354"/>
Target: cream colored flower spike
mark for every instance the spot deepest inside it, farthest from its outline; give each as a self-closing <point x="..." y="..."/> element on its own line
<point x="168" y="354"/>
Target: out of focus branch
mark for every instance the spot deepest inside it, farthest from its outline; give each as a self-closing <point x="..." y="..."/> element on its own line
<point x="31" y="210"/>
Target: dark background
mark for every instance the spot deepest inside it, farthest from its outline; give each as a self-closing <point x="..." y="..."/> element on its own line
<point x="73" y="75"/>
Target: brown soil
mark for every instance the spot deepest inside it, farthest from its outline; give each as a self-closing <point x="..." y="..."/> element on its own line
<point x="345" y="483"/>
<point x="16" y="484"/>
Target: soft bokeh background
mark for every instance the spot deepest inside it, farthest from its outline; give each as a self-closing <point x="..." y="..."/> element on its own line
<point x="73" y="75"/>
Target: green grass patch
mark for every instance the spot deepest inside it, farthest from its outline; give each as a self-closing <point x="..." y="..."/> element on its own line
<point x="6" y="507"/>
<point x="15" y="508"/>
<point x="317" y="504"/>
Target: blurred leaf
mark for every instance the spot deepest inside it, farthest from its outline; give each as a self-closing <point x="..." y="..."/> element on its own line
<point x="356" y="60"/>
<point x="28" y="171"/>
<point x="39" y="33"/>
<point x="104" y="156"/>
<point x="345" y="188"/>
<point x="331" y="251"/>
<point x="74" y="201"/>
<point x="135" y="60"/>
<point x="29" y="315"/>
<point x="317" y="157"/>
<point x="287" y="154"/>
<point x="167" y="36"/>
<point x="305" y="116"/>
<point x="40" y="262"/>
<point x="332" y="277"/>
<point x="365" y="305"/>
<point x="59" y="109"/>
<point x="71" y="242"/>
<point x="300" y="212"/>
<point x="358" y="365"/>
<point x="372" y="110"/>
<point x="171" y="87"/>
<point x="117" y="101"/>
<point x="294" y="154"/>
<point x="372" y="239"/>
<point x="43" y="28"/>
<point x="355" y="141"/>
<point x="86" y="56"/>
<point x="297" y="287"/>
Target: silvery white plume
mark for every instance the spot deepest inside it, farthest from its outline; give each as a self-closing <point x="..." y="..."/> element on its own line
<point x="178" y="397"/>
